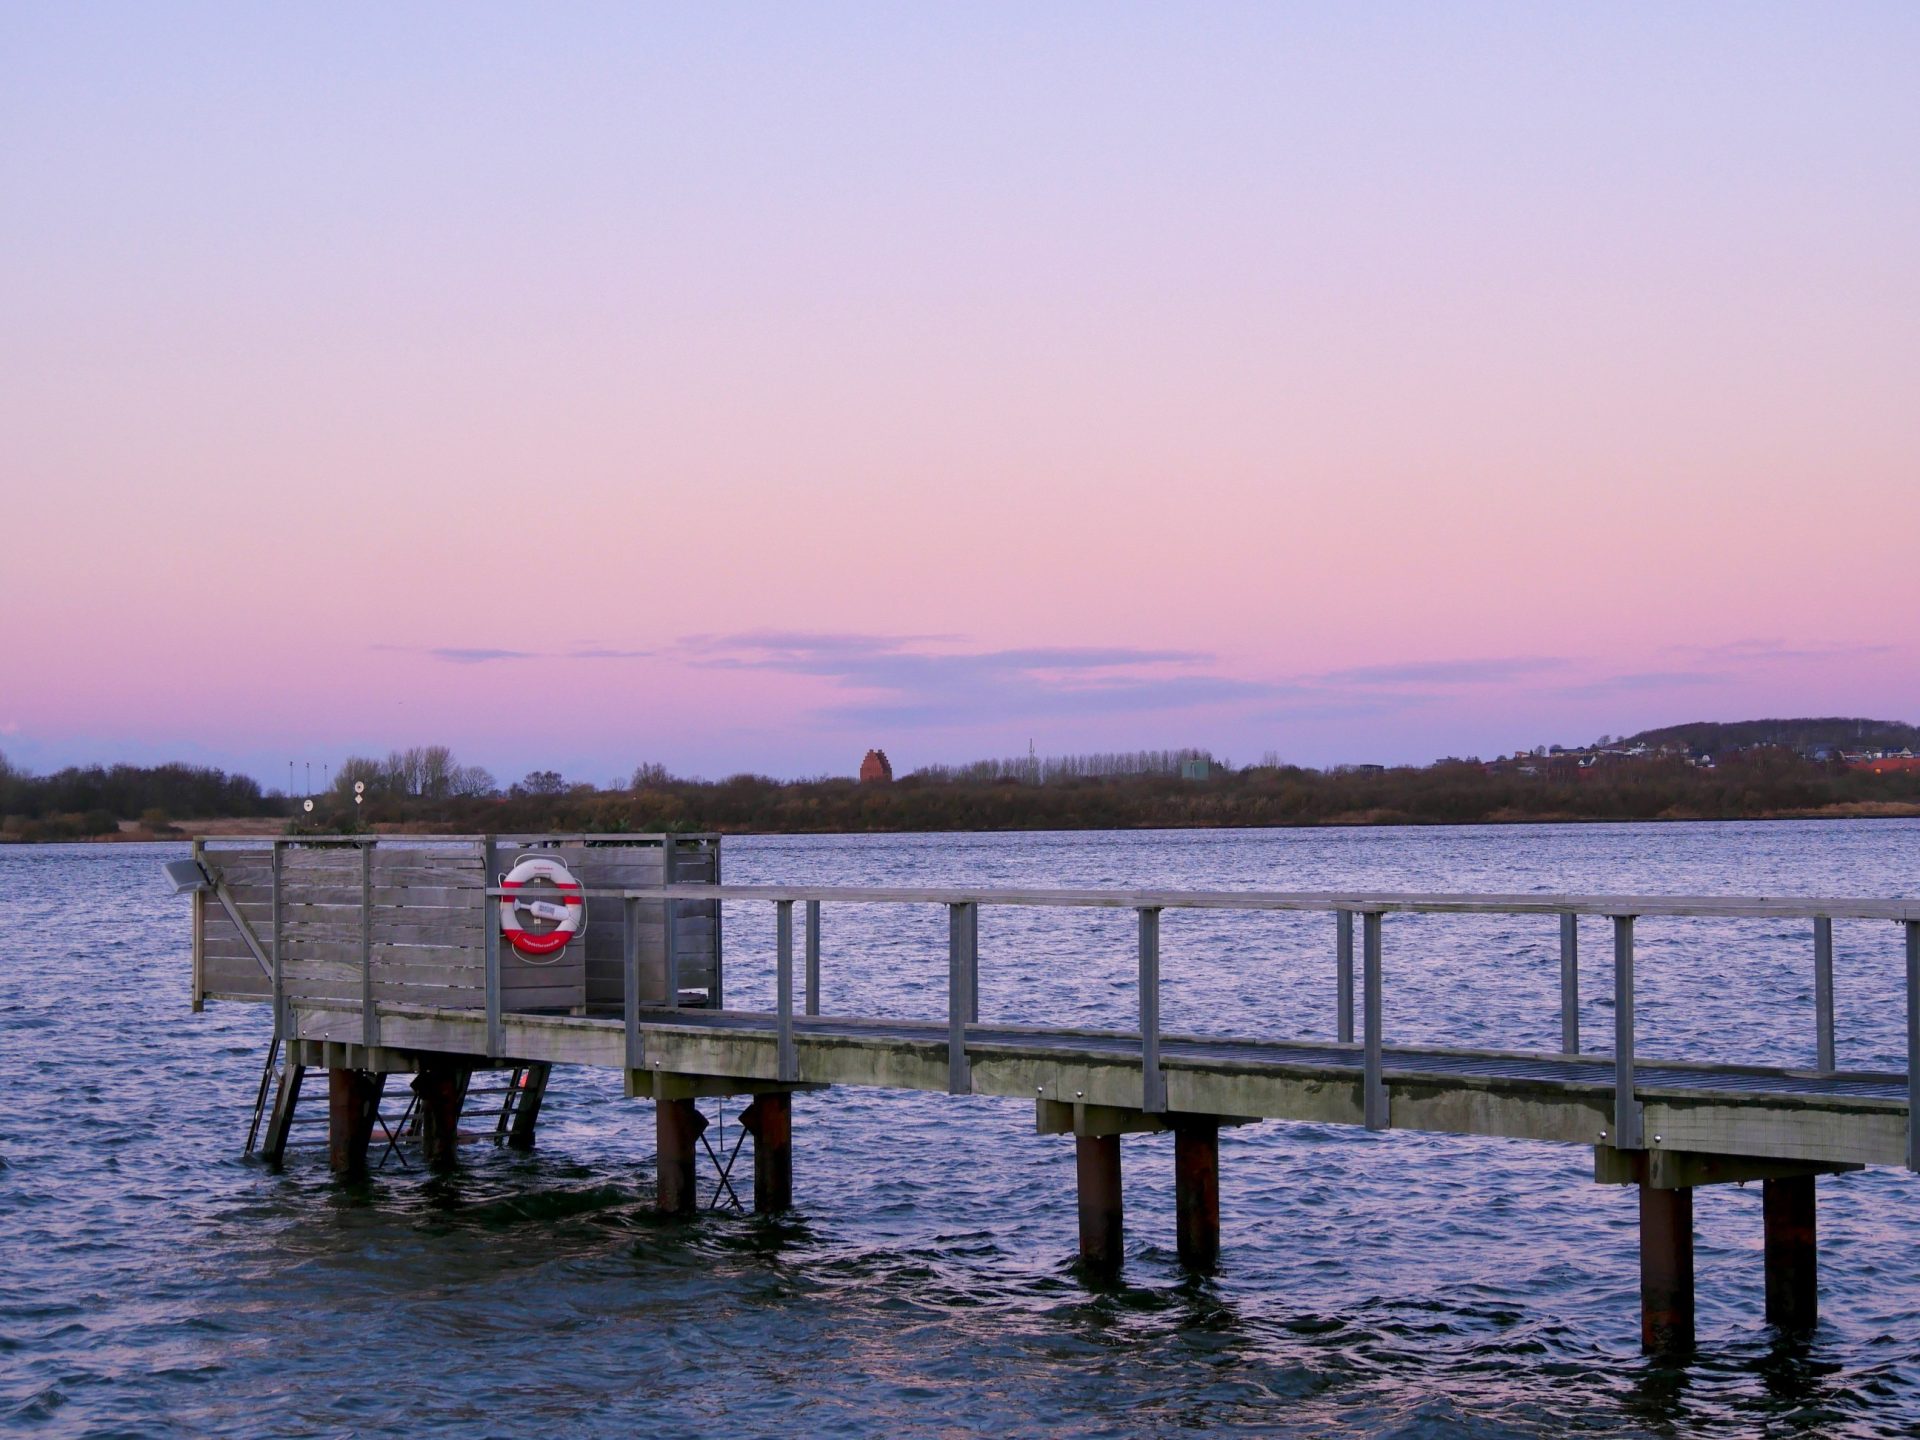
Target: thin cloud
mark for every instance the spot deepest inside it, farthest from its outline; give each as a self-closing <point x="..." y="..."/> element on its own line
<point x="1337" y="705"/>
<point x="461" y="655"/>
<point x="1642" y="681"/>
<point x="1493" y="671"/>
<point x="1760" y="652"/>
<point x="487" y="655"/>
<point x="920" y="680"/>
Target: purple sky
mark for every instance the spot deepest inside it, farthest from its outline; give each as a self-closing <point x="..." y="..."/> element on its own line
<point x="741" y="388"/>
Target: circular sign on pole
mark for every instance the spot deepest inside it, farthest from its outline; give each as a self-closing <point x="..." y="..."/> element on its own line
<point x="309" y="807"/>
<point x="359" y="787"/>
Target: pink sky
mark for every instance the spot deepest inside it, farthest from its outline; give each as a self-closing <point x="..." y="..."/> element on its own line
<point x="741" y="390"/>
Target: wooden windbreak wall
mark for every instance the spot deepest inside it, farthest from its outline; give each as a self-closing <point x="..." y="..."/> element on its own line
<point x="423" y="938"/>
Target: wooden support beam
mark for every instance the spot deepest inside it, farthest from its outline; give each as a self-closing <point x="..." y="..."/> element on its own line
<point x="1793" y="1292"/>
<point x="1686" y="1169"/>
<point x="1666" y="1269"/>
<point x="440" y="1087"/>
<point x="769" y="1120"/>
<point x="1097" y="1171"/>
<point x="353" y="1099"/>
<point x="526" y="1113"/>
<point x="678" y="1125"/>
<point x="1076" y="1117"/>
<point x="1196" y="1189"/>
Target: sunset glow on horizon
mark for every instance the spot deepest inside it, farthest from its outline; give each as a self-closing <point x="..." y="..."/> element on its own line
<point x="740" y="389"/>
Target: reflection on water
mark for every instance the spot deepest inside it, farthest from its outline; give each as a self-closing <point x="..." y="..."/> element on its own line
<point x="151" y="1282"/>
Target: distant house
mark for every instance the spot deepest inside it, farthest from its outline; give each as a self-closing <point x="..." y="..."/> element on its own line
<point x="1196" y="769"/>
<point x="876" y="769"/>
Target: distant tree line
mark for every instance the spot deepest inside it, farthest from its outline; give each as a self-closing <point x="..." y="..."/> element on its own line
<point x="1002" y="795"/>
<point x="1051" y="769"/>
<point x="82" y="801"/>
<point x="425" y="790"/>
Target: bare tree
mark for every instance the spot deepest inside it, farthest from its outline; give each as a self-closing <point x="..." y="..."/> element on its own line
<point x="436" y="771"/>
<point x="470" y="782"/>
<point x="362" y="768"/>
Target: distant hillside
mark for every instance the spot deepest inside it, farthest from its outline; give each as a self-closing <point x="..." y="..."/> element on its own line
<point x="1714" y="735"/>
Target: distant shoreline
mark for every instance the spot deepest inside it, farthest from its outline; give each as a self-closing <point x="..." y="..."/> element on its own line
<point x="263" y="827"/>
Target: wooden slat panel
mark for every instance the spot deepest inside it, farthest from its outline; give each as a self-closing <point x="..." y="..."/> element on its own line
<point x="410" y="897"/>
<point x="392" y="971"/>
<point x="461" y="930"/>
<point x="235" y="976"/>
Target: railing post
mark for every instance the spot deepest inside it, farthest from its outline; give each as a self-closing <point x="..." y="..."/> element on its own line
<point x="1823" y="993"/>
<point x="959" y="1006"/>
<point x="1153" y="1084"/>
<point x="788" y="1064"/>
<point x="369" y="1011"/>
<point x="280" y="1027"/>
<point x="489" y="858"/>
<point x="670" y="931"/>
<point x="1343" y="978"/>
<point x="1627" y="1130"/>
<point x="813" y="957"/>
<point x="973" y="964"/>
<point x="716" y="997"/>
<point x="199" y="981"/>
<point x="1913" y="1043"/>
<point x="1570" y="984"/>
<point x="1373" y="1076"/>
<point x="630" y="983"/>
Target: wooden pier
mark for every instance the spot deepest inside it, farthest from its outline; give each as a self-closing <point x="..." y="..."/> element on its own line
<point x="338" y="962"/>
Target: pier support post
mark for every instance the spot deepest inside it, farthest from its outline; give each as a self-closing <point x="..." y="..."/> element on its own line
<point x="1097" y="1169"/>
<point x="1196" y="1188"/>
<point x="769" y="1120"/>
<point x="1666" y="1268"/>
<point x="526" y="1112"/>
<point x="353" y="1099"/>
<point x="1793" y="1295"/>
<point x="440" y="1087"/>
<point x="678" y="1125"/>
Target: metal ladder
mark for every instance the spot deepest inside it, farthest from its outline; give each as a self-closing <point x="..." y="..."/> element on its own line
<point x="522" y="1094"/>
<point x="526" y="1087"/>
<point x="268" y="1074"/>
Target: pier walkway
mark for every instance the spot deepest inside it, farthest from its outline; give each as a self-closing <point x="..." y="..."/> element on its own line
<point x="1664" y="1124"/>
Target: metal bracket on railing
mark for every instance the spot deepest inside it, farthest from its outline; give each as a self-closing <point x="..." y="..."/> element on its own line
<point x="1153" y="1083"/>
<point x="1373" y="1081"/>
<point x="962" y="938"/>
<point x="787" y="1062"/>
<point x="1628" y="1129"/>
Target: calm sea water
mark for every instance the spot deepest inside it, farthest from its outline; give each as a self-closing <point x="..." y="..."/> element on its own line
<point x="154" y="1283"/>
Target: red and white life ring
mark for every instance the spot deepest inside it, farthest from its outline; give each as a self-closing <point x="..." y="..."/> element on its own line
<point x="570" y="914"/>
